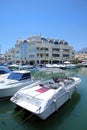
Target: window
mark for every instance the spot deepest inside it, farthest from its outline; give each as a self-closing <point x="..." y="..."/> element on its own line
<point x="15" y="76"/>
<point x="19" y="76"/>
<point x="37" y="48"/>
<point x="56" y="55"/>
<point x="26" y="76"/>
<point x="31" y="56"/>
<point x="55" y="49"/>
<point x="65" y="55"/>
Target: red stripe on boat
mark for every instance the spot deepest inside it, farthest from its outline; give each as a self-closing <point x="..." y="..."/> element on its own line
<point x="42" y="90"/>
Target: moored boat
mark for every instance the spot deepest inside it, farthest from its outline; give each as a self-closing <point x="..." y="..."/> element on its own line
<point x="46" y="97"/>
<point x="69" y="65"/>
<point x="12" y="82"/>
<point x="4" y="70"/>
<point x="84" y="64"/>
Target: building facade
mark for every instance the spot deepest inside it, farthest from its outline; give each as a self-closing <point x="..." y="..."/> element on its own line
<point x="9" y="55"/>
<point x="82" y="57"/>
<point x="40" y="50"/>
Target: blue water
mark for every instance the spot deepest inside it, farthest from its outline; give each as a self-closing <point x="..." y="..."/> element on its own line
<point x="71" y="116"/>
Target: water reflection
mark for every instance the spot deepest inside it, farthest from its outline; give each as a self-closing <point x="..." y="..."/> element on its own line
<point x="8" y="106"/>
<point x="53" y="122"/>
<point x="83" y="71"/>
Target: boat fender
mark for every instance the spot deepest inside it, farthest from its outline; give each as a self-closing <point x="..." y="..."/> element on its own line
<point x="54" y="101"/>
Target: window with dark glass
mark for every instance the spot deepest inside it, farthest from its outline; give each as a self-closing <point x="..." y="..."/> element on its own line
<point x="19" y="76"/>
<point x="65" y="55"/>
<point x="26" y="76"/>
<point x="56" y="55"/>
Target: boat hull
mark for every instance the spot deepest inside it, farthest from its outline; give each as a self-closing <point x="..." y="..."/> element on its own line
<point x="12" y="89"/>
<point x="43" y="101"/>
<point x="56" y="104"/>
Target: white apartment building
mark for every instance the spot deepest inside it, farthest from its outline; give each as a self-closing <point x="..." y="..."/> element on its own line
<point x="39" y="50"/>
<point x="9" y="55"/>
<point x="21" y="51"/>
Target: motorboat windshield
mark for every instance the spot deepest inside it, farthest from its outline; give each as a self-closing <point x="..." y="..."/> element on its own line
<point x="19" y="76"/>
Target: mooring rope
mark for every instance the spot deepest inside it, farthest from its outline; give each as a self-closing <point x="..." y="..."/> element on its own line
<point x="26" y="119"/>
<point x="23" y="121"/>
<point x="5" y="98"/>
<point x="4" y="118"/>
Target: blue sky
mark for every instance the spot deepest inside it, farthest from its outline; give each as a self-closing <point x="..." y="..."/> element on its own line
<point x="59" y="19"/>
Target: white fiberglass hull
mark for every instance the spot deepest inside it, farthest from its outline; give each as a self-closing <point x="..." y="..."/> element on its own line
<point x="56" y="104"/>
<point x="70" y="67"/>
<point x="44" y="101"/>
<point x="10" y="90"/>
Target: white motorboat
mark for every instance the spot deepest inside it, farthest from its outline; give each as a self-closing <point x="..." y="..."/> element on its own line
<point x="69" y="65"/>
<point x="4" y="70"/>
<point x="12" y="82"/>
<point x="49" y="65"/>
<point x="84" y="64"/>
<point x="46" y="97"/>
<point x="14" y="67"/>
<point x="55" y="65"/>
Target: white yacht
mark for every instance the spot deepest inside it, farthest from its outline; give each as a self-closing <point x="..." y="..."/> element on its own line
<point x="47" y="96"/>
<point x="84" y="64"/>
<point x="49" y="65"/>
<point x="69" y="65"/>
<point x="4" y="70"/>
<point x="10" y="83"/>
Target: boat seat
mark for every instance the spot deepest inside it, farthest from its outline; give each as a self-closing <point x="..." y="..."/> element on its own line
<point x="53" y="85"/>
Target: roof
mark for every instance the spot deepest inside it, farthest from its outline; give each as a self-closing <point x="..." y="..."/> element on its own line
<point x="21" y="71"/>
